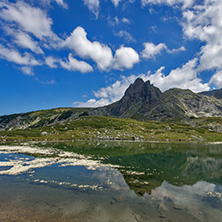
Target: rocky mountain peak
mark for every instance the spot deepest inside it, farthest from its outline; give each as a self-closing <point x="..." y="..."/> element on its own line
<point x="139" y="96"/>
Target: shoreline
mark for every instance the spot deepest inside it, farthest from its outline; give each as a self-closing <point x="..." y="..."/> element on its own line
<point x="204" y="142"/>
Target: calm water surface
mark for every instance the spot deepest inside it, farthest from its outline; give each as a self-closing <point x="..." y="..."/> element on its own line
<point x="113" y="181"/>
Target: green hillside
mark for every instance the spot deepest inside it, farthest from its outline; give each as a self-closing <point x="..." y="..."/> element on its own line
<point x="109" y="128"/>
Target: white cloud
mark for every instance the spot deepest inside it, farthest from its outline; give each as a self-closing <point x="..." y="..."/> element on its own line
<point x="24" y="40"/>
<point x="125" y="57"/>
<point x="184" y="78"/>
<point x="204" y="23"/>
<point x="116" y="21"/>
<point x="27" y="70"/>
<point x="92" y="103"/>
<point x="62" y="3"/>
<point x="59" y="2"/>
<point x="99" y="53"/>
<point x="116" y="2"/>
<point x="28" y="18"/>
<point x="152" y="50"/>
<point x="12" y="55"/>
<point x="216" y="79"/>
<point x="126" y="35"/>
<point x="51" y="61"/>
<point x="182" y="48"/>
<point x="93" y="6"/>
<point x="185" y="3"/>
<point x="126" y="21"/>
<point x="74" y="65"/>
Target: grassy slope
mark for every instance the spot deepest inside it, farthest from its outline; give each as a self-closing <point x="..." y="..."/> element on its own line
<point x="98" y="127"/>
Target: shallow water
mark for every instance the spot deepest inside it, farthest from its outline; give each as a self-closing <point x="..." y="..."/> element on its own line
<point x="111" y="182"/>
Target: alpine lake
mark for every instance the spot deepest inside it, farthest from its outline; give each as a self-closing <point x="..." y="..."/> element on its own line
<point x="101" y="181"/>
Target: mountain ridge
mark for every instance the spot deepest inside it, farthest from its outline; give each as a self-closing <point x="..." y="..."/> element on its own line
<point x="141" y="101"/>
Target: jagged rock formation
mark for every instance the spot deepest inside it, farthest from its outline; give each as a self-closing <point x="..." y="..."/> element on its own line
<point x="141" y="101"/>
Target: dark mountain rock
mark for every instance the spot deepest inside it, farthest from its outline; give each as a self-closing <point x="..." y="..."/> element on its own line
<point x="141" y="101"/>
<point x="140" y="97"/>
<point x="217" y="93"/>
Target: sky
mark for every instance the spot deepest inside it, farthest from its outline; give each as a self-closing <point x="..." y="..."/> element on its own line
<point x="86" y="53"/>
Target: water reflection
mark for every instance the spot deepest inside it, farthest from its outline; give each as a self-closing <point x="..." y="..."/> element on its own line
<point x="114" y="181"/>
<point x="145" y="172"/>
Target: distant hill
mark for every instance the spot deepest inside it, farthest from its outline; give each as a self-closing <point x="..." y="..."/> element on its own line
<point x="141" y="101"/>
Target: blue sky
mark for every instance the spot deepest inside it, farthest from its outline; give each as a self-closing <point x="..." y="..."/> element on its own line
<point x="85" y="53"/>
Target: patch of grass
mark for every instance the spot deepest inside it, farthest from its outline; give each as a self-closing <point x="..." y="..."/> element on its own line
<point x="108" y="128"/>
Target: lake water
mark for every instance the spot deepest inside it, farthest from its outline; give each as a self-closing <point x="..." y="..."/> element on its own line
<point x="111" y="181"/>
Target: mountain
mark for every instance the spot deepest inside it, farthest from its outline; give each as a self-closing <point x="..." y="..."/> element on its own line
<point x="192" y="104"/>
<point x="141" y="101"/>
<point x="217" y="93"/>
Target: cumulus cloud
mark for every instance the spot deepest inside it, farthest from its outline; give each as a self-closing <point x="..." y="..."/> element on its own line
<point x="51" y="61"/>
<point x="93" y="6"/>
<point x="185" y="77"/>
<point x="13" y="55"/>
<point x="125" y="57"/>
<point x="216" y="79"/>
<point x="152" y="50"/>
<point x="74" y="65"/>
<point x="99" y="53"/>
<point x="204" y="23"/>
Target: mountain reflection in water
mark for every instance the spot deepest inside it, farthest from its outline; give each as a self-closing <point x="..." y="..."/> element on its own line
<point x="137" y="181"/>
<point x="145" y="172"/>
